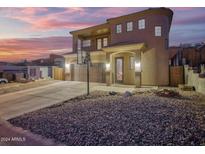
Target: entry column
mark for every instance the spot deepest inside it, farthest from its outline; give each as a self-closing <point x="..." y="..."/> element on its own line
<point x="108" y="69"/>
<point x="138" y="69"/>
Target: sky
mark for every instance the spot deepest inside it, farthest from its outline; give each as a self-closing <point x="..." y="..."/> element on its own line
<point x="32" y="33"/>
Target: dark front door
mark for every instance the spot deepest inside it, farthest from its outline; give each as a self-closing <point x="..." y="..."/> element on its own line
<point x="119" y="71"/>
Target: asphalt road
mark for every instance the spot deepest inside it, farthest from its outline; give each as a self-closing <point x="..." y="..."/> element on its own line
<point x="18" y="103"/>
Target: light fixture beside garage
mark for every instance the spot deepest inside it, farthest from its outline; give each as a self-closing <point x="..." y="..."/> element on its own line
<point x="67" y="67"/>
<point x="137" y="67"/>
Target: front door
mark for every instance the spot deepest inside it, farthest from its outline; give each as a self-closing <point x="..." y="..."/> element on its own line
<point x="119" y="71"/>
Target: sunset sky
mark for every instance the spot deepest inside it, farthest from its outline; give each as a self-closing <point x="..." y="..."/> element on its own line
<point x="31" y="33"/>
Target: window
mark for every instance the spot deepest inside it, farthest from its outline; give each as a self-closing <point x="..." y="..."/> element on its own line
<point x="141" y="24"/>
<point x="99" y="44"/>
<point x="79" y="44"/>
<point x="132" y="62"/>
<point x="86" y="43"/>
<point x="158" y="30"/>
<point x="118" y="28"/>
<point x="129" y="26"/>
<point x="105" y="42"/>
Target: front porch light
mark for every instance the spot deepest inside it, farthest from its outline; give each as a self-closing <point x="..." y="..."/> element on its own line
<point x="137" y="66"/>
<point x="107" y="67"/>
<point x="67" y="67"/>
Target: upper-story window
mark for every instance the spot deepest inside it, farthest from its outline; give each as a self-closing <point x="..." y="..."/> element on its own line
<point x="86" y="43"/>
<point x="158" y="31"/>
<point x="99" y="44"/>
<point x="119" y="28"/>
<point x="141" y="24"/>
<point x="102" y="42"/>
<point x="105" y="42"/>
<point x="129" y="26"/>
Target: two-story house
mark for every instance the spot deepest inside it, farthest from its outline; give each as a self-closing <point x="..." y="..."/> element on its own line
<point x="130" y="49"/>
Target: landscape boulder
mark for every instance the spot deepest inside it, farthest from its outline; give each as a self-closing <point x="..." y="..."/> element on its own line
<point x="127" y="94"/>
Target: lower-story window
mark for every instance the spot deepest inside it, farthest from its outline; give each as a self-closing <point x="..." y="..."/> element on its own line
<point x="99" y="44"/>
<point x="132" y="62"/>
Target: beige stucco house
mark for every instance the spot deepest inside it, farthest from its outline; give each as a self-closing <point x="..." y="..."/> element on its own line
<point x="130" y="49"/>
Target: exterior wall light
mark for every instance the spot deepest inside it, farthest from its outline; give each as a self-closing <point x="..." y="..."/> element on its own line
<point x="67" y="67"/>
<point x="107" y="67"/>
<point x="137" y="67"/>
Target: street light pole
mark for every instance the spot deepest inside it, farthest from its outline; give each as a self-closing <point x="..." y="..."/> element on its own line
<point x="88" y="78"/>
<point x="87" y="61"/>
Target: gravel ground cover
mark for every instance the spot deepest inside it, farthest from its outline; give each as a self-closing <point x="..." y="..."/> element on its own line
<point x="103" y="119"/>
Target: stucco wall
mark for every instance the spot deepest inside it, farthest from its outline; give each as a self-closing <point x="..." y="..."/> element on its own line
<point x="155" y="70"/>
<point x="193" y="79"/>
<point x="149" y="67"/>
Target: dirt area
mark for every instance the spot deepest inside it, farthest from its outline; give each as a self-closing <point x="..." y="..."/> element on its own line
<point x="109" y="118"/>
<point x="15" y="86"/>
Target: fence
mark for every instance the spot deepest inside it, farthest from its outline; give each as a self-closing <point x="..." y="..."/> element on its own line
<point x="192" y="79"/>
<point x="176" y="75"/>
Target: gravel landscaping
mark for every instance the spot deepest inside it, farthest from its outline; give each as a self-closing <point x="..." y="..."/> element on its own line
<point x="139" y="118"/>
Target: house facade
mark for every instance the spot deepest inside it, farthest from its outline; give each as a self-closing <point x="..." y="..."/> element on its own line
<point x="130" y="49"/>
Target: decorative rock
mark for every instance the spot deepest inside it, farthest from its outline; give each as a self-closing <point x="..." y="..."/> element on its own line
<point x="127" y="94"/>
<point x="115" y="120"/>
<point x="112" y="93"/>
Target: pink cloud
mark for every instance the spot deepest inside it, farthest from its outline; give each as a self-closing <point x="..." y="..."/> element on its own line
<point x="48" y="21"/>
<point x="53" y="23"/>
<point x="32" y="48"/>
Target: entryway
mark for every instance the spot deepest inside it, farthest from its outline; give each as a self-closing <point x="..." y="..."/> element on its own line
<point x="119" y="71"/>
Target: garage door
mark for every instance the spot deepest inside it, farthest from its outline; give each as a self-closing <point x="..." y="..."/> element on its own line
<point x="97" y="72"/>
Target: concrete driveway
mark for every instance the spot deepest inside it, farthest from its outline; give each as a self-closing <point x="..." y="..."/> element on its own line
<point x="17" y="103"/>
<point x="24" y="101"/>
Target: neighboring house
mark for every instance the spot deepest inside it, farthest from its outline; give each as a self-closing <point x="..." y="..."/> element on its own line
<point x="130" y="49"/>
<point x="53" y="60"/>
<point x="188" y="54"/>
<point x="15" y="73"/>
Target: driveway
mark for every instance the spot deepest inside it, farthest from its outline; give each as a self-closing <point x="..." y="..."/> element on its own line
<point x="18" y="103"/>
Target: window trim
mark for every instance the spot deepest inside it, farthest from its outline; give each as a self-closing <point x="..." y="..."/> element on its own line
<point x="116" y="28"/>
<point x="127" y="26"/>
<point x="140" y="25"/>
<point x="156" y="32"/>
<point x="100" y="43"/>
<point x="103" y="41"/>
